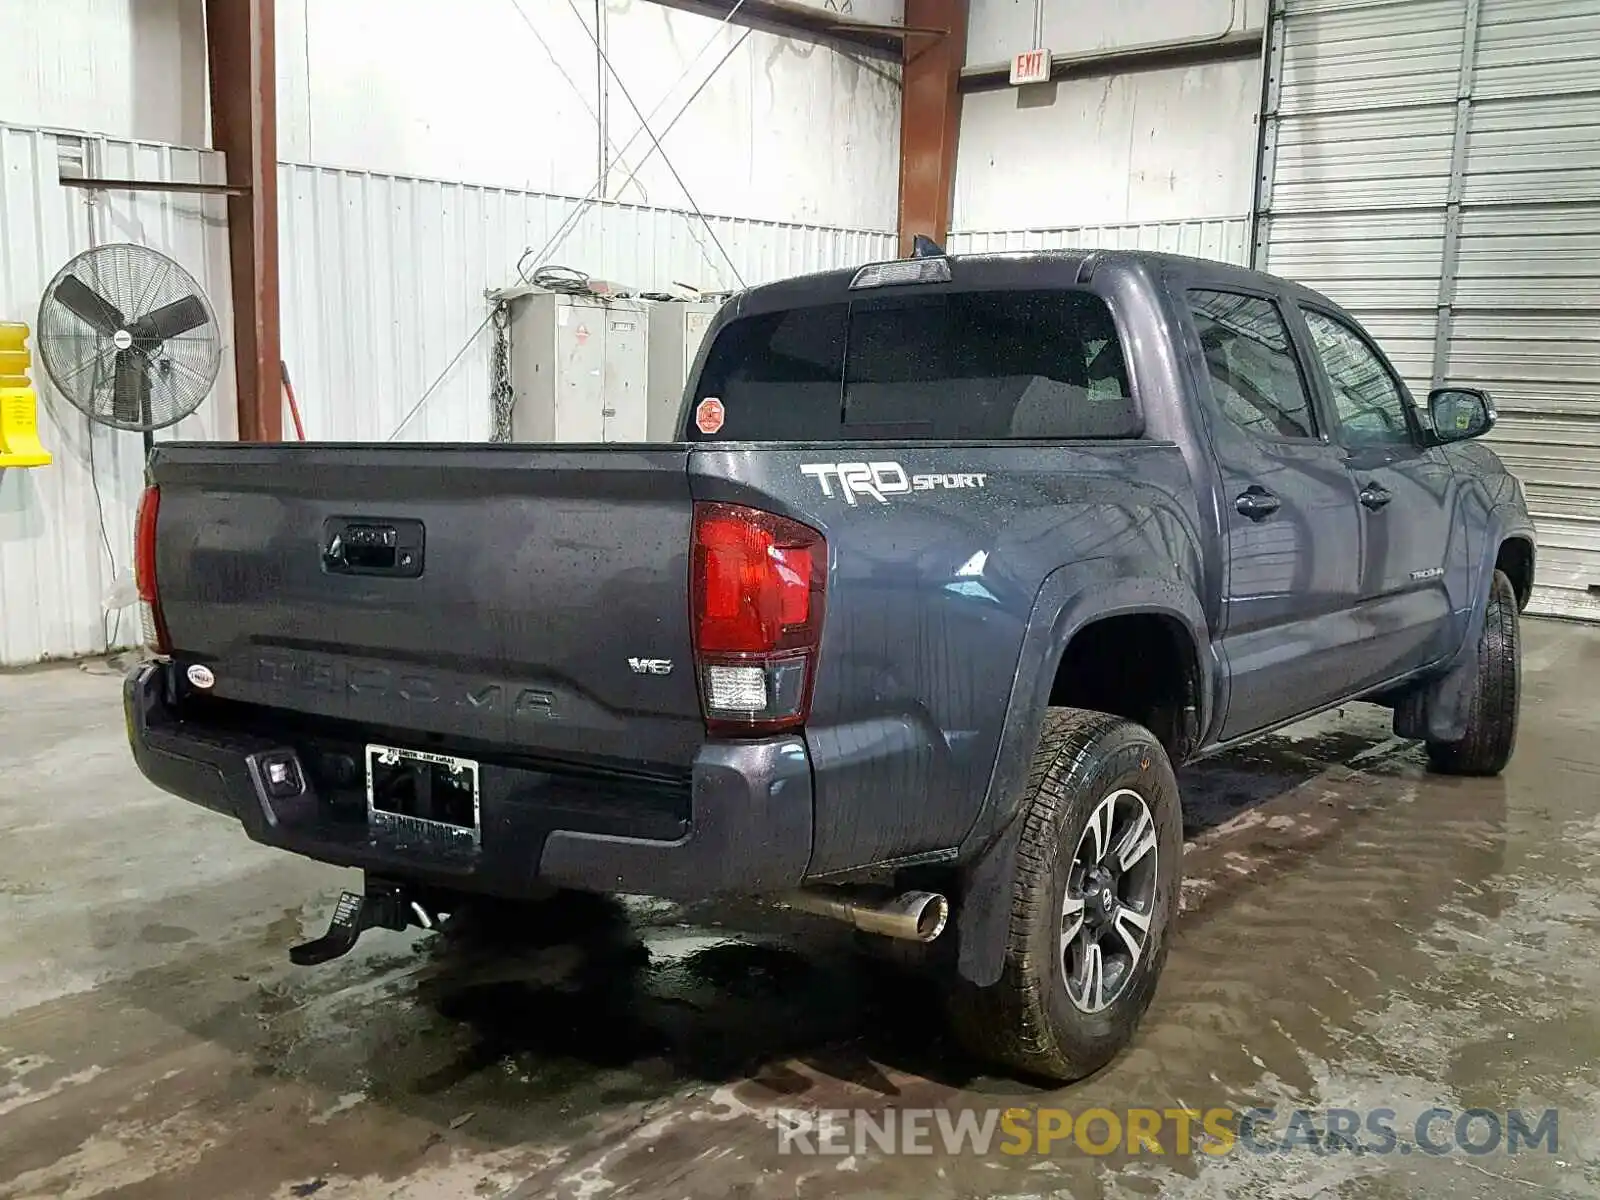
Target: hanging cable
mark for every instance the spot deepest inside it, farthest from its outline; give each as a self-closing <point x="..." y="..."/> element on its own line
<point x="579" y="208"/>
<point x="605" y="138"/>
<point x="572" y="218"/>
<point x="655" y="141"/>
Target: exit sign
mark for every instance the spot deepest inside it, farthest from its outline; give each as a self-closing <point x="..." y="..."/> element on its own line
<point x="1031" y="66"/>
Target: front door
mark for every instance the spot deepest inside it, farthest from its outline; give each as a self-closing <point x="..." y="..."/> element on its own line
<point x="1406" y="491"/>
<point x="1292" y="526"/>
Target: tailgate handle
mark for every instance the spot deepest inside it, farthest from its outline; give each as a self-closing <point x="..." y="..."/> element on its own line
<point x="372" y="547"/>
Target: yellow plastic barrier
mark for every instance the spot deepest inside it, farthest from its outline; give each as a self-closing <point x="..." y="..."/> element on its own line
<point x="19" y="406"/>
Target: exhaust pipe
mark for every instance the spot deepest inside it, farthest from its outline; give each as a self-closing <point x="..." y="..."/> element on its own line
<point x="910" y="916"/>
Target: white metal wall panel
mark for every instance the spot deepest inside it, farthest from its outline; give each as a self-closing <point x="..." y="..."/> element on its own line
<point x="384" y="279"/>
<point x="1390" y="159"/>
<point x="1171" y="144"/>
<point x="1527" y="293"/>
<point x="1536" y="47"/>
<point x="56" y="561"/>
<point x="1365" y="124"/>
<point x="1226" y="239"/>
<point x="1360" y="55"/>
<point x="1466" y="235"/>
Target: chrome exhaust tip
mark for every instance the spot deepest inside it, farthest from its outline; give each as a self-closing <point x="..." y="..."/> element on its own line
<point x="908" y="916"/>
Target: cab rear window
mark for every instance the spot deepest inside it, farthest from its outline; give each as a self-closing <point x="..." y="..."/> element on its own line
<point x="960" y="366"/>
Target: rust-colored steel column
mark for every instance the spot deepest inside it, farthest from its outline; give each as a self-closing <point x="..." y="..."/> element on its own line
<point x="242" y="58"/>
<point x="930" y="117"/>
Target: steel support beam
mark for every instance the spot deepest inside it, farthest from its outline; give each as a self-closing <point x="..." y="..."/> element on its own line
<point x="814" y="24"/>
<point x="1151" y="56"/>
<point x="930" y="117"/>
<point x="241" y="57"/>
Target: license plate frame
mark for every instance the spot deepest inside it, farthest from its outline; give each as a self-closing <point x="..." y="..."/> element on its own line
<point x="463" y="778"/>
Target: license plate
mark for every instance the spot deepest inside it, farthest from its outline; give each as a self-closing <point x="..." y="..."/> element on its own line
<point x="422" y="799"/>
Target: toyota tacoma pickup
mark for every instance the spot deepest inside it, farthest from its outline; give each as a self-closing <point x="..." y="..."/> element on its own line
<point x="954" y="559"/>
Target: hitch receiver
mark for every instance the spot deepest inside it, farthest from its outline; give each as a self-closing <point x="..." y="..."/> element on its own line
<point x="380" y="907"/>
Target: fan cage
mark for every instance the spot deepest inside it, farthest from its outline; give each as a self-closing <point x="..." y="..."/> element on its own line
<point x="114" y="370"/>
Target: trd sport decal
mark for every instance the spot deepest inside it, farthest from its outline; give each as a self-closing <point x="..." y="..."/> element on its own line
<point x="880" y="480"/>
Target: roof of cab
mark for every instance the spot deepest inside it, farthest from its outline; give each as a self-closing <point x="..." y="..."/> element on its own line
<point x="1028" y="268"/>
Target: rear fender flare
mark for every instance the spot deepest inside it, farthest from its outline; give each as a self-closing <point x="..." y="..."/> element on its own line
<point x="1069" y="599"/>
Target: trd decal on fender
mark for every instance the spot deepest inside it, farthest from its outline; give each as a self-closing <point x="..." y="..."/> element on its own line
<point x="880" y="480"/>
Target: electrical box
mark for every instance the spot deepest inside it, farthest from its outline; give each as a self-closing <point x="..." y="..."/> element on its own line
<point x="676" y="331"/>
<point x="578" y="367"/>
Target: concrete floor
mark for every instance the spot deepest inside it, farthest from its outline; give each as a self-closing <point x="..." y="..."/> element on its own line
<point x="1356" y="933"/>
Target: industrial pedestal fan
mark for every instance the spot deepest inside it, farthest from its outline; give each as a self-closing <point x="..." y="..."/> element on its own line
<point x="128" y="337"/>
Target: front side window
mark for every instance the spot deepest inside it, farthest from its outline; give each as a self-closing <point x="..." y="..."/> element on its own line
<point x="1255" y="376"/>
<point x="1366" y="397"/>
<point x="968" y="366"/>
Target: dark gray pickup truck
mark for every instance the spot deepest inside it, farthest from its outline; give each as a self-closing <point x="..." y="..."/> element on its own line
<point x="955" y="558"/>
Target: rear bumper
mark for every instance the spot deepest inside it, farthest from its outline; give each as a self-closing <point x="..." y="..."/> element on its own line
<point x="748" y="829"/>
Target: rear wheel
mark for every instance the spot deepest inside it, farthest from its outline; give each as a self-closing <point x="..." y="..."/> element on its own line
<point x="1096" y="889"/>
<point x="1496" y="694"/>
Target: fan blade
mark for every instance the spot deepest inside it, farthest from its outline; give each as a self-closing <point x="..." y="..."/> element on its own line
<point x="89" y="305"/>
<point x="169" y="321"/>
<point x="128" y="388"/>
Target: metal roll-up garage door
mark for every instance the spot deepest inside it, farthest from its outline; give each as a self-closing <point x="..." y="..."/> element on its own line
<point x="1434" y="165"/>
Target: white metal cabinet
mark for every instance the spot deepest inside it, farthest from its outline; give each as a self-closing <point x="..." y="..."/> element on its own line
<point x="578" y="367"/>
<point x="676" y="331"/>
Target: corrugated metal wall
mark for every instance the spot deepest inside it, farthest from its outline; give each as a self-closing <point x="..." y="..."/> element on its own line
<point x="1435" y="166"/>
<point x="1226" y="239"/>
<point x="384" y="280"/>
<point x="57" y="559"/>
<point x="1526" y="304"/>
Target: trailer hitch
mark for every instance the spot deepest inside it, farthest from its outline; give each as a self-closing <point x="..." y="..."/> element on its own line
<point x="381" y="906"/>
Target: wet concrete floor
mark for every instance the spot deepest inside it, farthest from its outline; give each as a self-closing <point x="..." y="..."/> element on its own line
<point x="1357" y="935"/>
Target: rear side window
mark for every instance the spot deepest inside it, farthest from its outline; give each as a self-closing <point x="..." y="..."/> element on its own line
<point x="1255" y="375"/>
<point x="972" y="366"/>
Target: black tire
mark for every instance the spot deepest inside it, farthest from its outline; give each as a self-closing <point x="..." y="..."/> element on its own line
<point x="1029" y="1020"/>
<point x="1492" y="718"/>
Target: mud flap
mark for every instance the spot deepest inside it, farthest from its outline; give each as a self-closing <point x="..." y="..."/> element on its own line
<point x="984" y="910"/>
<point x="1438" y="712"/>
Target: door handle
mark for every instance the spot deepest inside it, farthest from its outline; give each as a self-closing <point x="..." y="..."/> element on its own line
<point x="362" y="547"/>
<point x="1257" y="503"/>
<point x="1375" y="497"/>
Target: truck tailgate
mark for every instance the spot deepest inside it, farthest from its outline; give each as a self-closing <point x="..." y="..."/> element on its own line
<point x="532" y="600"/>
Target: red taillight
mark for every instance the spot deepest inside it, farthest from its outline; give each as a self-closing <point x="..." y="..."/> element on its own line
<point x="144" y="572"/>
<point x="757" y="586"/>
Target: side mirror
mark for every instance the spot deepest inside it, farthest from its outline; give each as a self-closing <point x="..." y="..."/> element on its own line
<point x="1460" y="413"/>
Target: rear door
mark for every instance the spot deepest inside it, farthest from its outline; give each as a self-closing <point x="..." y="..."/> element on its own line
<point x="1292" y="530"/>
<point x="1406" y="491"/>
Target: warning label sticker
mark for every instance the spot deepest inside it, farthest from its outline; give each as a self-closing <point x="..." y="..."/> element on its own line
<point x="708" y="415"/>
